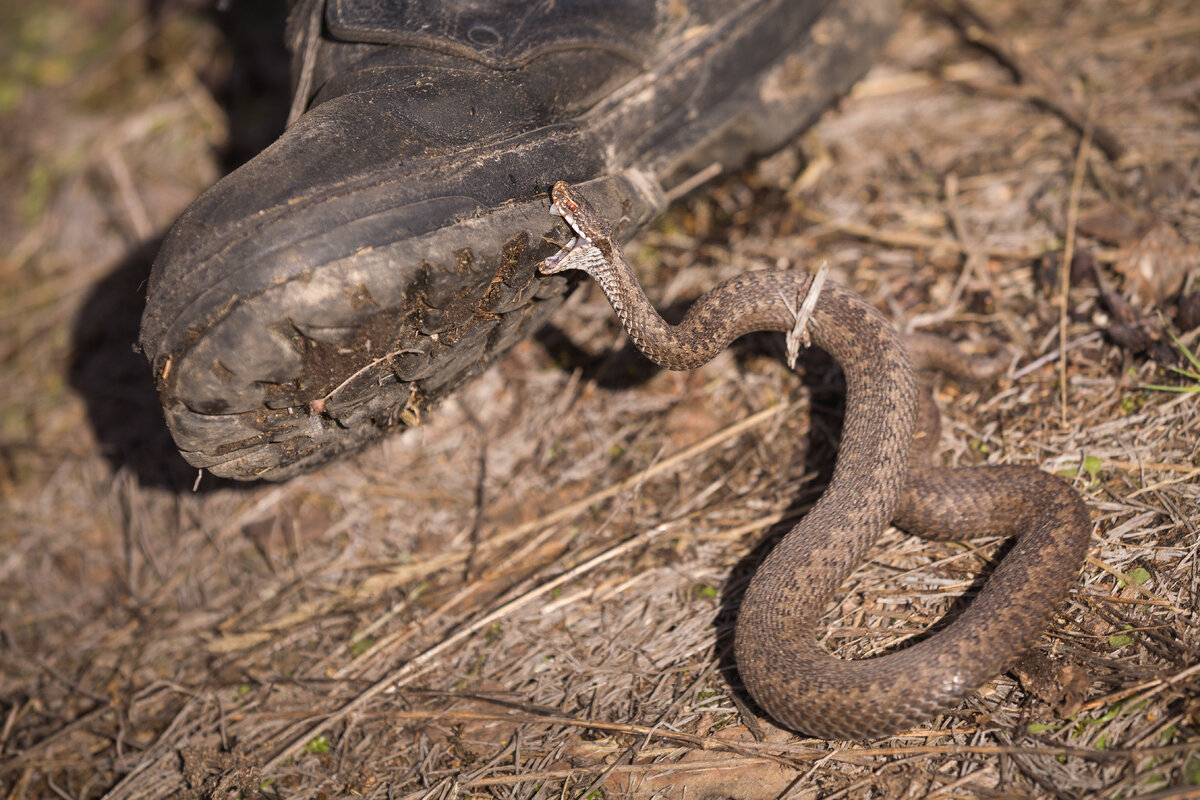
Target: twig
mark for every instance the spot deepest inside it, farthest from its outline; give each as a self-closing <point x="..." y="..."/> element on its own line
<point x="1187" y="470"/>
<point x="1038" y="363"/>
<point x="703" y="176"/>
<point x="630" y="753"/>
<point x="785" y="752"/>
<point x="408" y="571"/>
<point x="972" y="257"/>
<point x="411" y="669"/>
<point x="135" y="209"/>
<point x="911" y="239"/>
<point x="798" y="336"/>
<point x="379" y="582"/>
<point x="1031" y="70"/>
<point x="1142" y="691"/>
<point x="1130" y="582"/>
<point x="318" y="406"/>
<point x="1068" y="255"/>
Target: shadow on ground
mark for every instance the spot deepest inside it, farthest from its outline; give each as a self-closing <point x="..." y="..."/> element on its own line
<point x="112" y="377"/>
<point x="115" y="381"/>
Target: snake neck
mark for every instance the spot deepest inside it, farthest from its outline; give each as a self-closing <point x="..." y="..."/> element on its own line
<point x="666" y="345"/>
<point x="751" y="302"/>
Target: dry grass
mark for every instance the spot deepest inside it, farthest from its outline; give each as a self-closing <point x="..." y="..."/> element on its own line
<point x="530" y="597"/>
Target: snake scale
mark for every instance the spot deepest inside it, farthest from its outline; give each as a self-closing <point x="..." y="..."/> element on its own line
<point x="880" y="476"/>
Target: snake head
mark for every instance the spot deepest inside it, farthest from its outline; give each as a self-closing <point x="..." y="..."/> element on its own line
<point x="577" y="213"/>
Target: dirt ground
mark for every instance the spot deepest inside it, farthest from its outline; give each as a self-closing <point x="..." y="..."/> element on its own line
<point x="532" y="595"/>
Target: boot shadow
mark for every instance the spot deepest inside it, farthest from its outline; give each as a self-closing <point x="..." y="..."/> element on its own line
<point x="114" y="379"/>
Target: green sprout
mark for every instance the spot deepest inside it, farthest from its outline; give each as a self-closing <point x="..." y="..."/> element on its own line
<point x="1192" y="374"/>
<point x="318" y="744"/>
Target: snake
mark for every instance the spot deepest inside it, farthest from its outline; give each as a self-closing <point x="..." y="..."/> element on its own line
<point x="883" y="474"/>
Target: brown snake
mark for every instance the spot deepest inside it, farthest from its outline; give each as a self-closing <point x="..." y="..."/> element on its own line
<point x="880" y="477"/>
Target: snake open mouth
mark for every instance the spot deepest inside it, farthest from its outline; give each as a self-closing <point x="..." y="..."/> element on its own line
<point x="553" y="264"/>
<point x="562" y="206"/>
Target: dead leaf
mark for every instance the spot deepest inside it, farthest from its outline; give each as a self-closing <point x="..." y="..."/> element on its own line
<point x="1189" y="312"/>
<point x="1157" y="265"/>
<point x="1143" y="336"/>
<point x="1061" y="686"/>
<point x="715" y="773"/>
<point x="1111" y="223"/>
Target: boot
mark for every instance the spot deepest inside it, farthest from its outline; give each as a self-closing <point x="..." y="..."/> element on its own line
<point x="382" y="251"/>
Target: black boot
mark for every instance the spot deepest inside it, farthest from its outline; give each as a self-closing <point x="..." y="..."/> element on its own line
<point x="382" y="251"/>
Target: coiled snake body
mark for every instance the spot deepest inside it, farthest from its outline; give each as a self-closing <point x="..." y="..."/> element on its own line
<point x="879" y="477"/>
